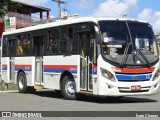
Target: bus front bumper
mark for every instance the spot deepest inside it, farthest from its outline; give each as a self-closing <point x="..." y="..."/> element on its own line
<point x="110" y="88"/>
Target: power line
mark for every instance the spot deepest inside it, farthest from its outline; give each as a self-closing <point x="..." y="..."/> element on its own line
<point x="92" y="6"/>
<point x="106" y="9"/>
<point x="102" y="11"/>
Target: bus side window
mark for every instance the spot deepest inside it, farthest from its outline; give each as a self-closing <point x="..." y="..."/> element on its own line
<point x="52" y="44"/>
<point x="23" y="44"/>
<point x="92" y="46"/>
<point x="5" y="48"/>
<point x="19" y="46"/>
<point x="26" y="44"/>
<point x="70" y="41"/>
<point x="84" y="38"/>
<point x="66" y="40"/>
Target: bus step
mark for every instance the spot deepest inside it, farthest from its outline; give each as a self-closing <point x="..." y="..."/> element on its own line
<point x="38" y="87"/>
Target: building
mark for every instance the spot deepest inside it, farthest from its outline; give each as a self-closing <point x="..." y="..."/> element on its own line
<point x="27" y="15"/>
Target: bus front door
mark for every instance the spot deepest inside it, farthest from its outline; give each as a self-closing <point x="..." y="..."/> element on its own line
<point x="38" y="52"/>
<point x="12" y="50"/>
<point x="86" y="62"/>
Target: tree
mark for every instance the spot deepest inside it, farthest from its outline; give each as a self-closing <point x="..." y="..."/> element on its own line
<point x="8" y="4"/>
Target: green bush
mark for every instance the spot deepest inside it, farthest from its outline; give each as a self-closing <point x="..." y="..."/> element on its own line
<point x="2" y="12"/>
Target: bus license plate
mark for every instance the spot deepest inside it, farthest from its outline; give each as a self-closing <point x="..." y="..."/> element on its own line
<point x="136" y="87"/>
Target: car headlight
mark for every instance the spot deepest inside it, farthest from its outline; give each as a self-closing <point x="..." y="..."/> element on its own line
<point x="105" y="73"/>
<point x="156" y="75"/>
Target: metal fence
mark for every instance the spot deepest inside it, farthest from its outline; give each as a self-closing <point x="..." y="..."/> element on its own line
<point x="27" y="18"/>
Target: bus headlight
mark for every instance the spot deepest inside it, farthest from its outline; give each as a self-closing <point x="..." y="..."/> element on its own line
<point x="156" y="75"/>
<point x="105" y="73"/>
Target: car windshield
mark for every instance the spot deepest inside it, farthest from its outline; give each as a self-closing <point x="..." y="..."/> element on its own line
<point x="128" y="43"/>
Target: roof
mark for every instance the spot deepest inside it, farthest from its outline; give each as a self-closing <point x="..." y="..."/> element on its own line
<point x="66" y="22"/>
<point x="35" y="7"/>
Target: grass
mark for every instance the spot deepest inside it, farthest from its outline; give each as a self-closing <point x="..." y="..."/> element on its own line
<point x="7" y="87"/>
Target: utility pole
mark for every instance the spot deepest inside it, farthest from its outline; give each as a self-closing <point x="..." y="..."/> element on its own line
<point x="59" y="6"/>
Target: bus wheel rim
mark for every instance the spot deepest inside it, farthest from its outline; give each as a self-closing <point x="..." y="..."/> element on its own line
<point x="21" y="82"/>
<point x="70" y="88"/>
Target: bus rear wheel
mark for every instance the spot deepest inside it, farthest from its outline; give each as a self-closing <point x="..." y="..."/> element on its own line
<point x="22" y="84"/>
<point x="68" y="88"/>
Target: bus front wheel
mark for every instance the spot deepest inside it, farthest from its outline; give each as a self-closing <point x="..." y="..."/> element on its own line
<point x="68" y="88"/>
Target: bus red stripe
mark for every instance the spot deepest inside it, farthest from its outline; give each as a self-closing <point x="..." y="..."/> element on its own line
<point x="23" y="66"/>
<point x="67" y="67"/>
<point x="47" y="66"/>
<point x="136" y="70"/>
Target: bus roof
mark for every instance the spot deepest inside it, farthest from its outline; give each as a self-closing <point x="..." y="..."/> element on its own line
<point x="66" y="22"/>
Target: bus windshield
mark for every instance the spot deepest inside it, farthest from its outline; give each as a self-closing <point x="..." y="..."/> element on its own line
<point x="128" y="43"/>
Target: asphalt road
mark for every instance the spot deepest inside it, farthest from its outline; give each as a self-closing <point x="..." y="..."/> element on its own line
<point x="50" y="101"/>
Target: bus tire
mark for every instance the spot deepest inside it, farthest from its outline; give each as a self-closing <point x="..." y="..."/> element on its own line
<point x="68" y="88"/>
<point x="22" y="83"/>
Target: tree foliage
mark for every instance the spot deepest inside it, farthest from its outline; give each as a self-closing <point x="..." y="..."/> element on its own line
<point x="8" y="4"/>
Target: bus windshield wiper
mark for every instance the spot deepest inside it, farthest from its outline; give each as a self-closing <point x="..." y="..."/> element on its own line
<point x="148" y="64"/>
<point x="125" y="56"/>
<point x="127" y="47"/>
<point x="133" y="49"/>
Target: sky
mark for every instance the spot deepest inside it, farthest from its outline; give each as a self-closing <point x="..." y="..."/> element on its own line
<point x="148" y="10"/>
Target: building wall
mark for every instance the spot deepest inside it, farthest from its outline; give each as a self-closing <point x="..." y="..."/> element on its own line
<point x="1" y="29"/>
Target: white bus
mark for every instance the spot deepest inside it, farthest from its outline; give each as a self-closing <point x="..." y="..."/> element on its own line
<point x="99" y="56"/>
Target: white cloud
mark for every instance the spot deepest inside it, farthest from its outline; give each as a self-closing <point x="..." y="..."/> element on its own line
<point x="87" y="4"/>
<point x="33" y="2"/>
<point x="152" y="17"/>
<point x="115" y="8"/>
<point x="83" y="4"/>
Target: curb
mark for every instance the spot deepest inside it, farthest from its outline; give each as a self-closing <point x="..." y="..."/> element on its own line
<point x="9" y="91"/>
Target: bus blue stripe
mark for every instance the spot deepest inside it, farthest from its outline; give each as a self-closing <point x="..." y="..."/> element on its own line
<point x="133" y="77"/>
